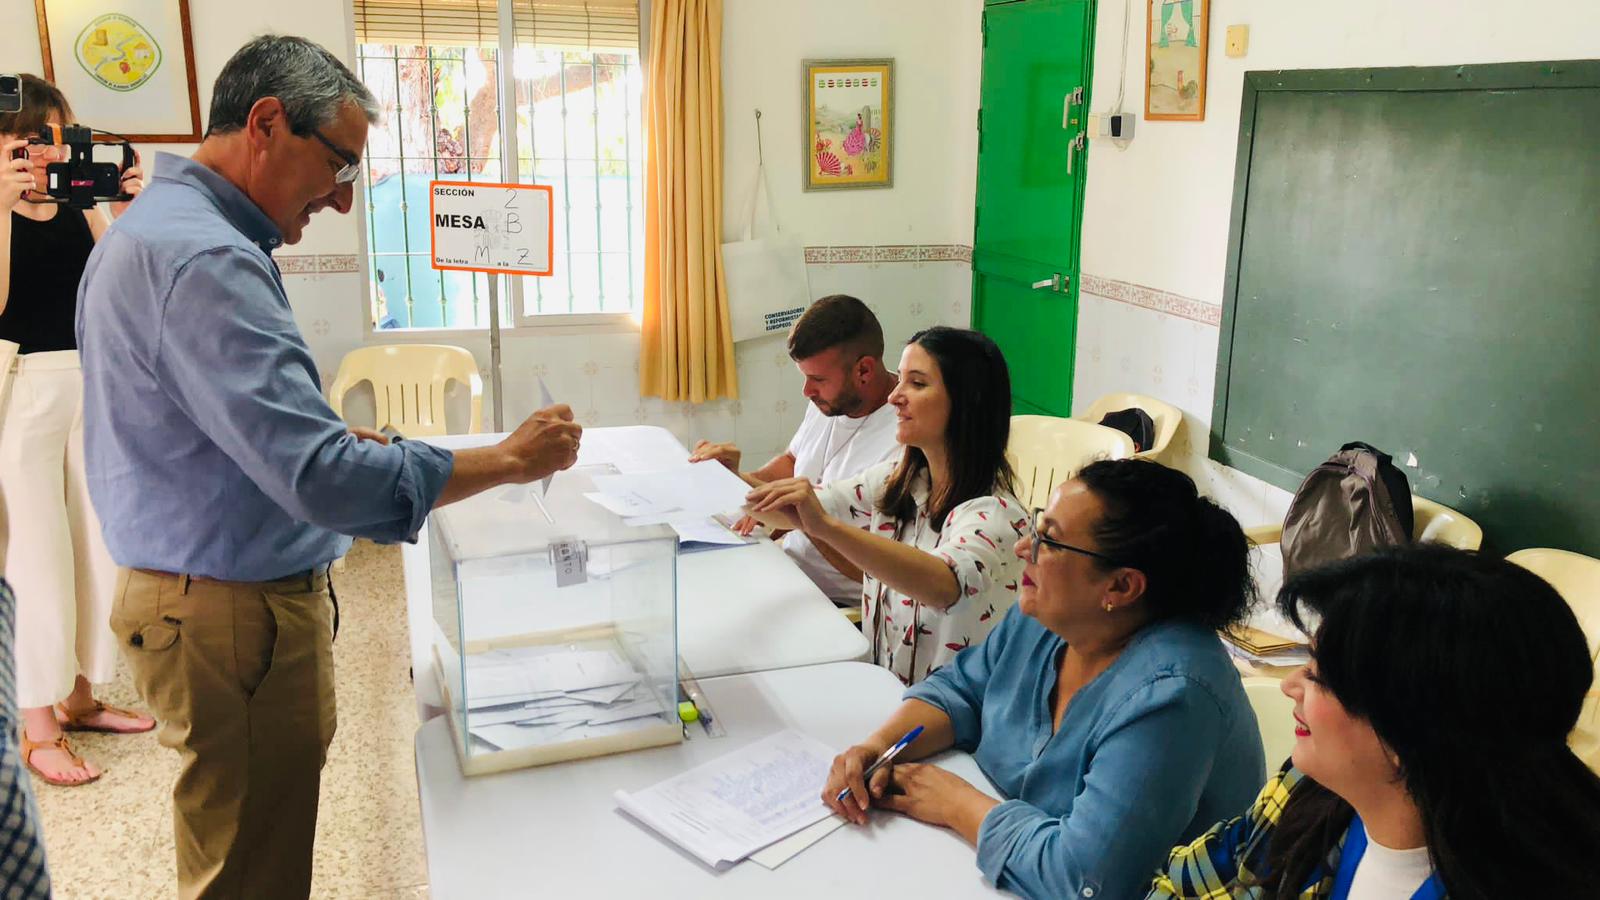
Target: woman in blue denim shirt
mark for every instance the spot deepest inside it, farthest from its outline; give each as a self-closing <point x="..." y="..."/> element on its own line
<point x="1103" y="706"/>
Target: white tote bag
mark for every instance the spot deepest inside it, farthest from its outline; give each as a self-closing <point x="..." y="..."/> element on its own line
<point x="767" y="286"/>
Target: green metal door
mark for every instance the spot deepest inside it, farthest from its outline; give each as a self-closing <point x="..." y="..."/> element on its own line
<point x="1031" y="152"/>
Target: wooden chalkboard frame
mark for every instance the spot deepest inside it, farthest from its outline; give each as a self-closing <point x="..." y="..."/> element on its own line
<point x="1494" y="76"/>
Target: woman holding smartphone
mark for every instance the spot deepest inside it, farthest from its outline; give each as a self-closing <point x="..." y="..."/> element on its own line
<point x="58" y="563"/>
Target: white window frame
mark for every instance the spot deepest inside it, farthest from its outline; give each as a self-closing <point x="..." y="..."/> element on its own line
<point x="509" y="287"/>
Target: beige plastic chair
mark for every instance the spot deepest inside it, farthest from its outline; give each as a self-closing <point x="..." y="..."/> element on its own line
<point x="1274" y="716"/>
<point x="1431" y="522"/>
<point x="1577" y="578"/>
<point x="408" y="385"/>
<point x="1166" y="417"/>
<point x="1045" y="451"/>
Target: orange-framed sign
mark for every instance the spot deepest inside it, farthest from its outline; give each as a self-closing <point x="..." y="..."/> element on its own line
<point x="477" y="226"/>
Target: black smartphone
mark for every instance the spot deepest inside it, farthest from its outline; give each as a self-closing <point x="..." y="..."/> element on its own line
<point x="10" y="94"/>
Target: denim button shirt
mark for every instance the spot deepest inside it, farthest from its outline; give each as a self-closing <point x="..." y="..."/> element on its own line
<point x="209" y="447"/>
<point x="1153" y="751"/>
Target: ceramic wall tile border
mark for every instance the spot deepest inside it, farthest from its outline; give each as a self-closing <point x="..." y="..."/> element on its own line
<point x="877" y="254"/>
<point x="317" y="264"/>
<point x="1151" y="298"/>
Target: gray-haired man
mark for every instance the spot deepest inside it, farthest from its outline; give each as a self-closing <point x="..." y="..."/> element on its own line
<point x="224" y="482"/>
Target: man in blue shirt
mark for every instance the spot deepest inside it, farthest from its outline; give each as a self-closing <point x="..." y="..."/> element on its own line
<point x="225" y="483"/>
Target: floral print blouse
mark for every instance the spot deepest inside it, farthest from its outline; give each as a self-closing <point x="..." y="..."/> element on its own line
<point x="909" y="638"/>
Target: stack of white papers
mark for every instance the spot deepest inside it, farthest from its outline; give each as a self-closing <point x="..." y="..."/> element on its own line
<point x="529" y="696"/>
<point x="731" y="807"/>
<point x="687" y="497"/>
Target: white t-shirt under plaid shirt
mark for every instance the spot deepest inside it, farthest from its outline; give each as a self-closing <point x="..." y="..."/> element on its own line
<point x="976" y="541"/>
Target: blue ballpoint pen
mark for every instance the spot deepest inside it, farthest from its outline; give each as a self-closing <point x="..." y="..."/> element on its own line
<point x="887" y="757"/>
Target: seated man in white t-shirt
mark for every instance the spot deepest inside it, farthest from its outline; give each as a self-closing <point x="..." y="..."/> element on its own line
<point x="849" y="425"/>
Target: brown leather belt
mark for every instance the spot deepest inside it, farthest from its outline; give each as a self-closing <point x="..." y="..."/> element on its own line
<point x="308" y="576"/>
<point x="184" y="578"/>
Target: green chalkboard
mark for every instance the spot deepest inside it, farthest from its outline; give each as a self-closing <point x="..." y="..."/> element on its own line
<point x="1414" y="261"/>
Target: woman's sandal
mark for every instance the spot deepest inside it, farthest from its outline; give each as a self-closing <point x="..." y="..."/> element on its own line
<point x="71" y="721"/>
<point x="60" y="743"/>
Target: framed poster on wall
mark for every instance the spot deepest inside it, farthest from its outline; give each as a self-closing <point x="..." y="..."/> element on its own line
<point x="849" y="133"/>
<point x="1175" y="57"/>
<point x="126" y="66"/>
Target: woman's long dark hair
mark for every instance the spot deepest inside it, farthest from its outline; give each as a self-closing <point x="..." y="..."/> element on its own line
<point x="975" y="376"/>
<point x="1472" y="671"/>
<point x="1194" y="556"/>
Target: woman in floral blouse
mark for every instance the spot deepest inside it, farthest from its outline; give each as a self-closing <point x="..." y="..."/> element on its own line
<point x="933" y="531"/>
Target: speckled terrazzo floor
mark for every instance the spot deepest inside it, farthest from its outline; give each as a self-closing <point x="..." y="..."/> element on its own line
<point x="113" y="838"/>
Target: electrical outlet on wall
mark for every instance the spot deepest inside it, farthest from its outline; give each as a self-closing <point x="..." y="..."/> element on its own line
<point x="1116" y="127"/>
<point x="1238" y="40"/>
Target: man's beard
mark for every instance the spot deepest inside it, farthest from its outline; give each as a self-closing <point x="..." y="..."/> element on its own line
<point x="848" y="403"/>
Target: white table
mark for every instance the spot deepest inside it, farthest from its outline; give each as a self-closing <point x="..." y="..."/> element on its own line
<point x="740" y="609"/>
<point x="554" y="831"/>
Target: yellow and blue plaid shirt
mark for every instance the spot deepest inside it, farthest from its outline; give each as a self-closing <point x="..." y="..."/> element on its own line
<point x="1225" y="862"/>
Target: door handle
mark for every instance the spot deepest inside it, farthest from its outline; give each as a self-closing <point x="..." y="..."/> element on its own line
<point x="1053" y="283"/>
<point x="1067" y="103"/>
<point x="1074" y="146"/>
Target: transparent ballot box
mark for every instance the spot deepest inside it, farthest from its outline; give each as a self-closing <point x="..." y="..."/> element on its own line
<point x="556" y="626"/>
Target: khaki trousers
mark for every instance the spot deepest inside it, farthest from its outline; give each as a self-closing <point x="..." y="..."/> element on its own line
<point x="240" y="676"/>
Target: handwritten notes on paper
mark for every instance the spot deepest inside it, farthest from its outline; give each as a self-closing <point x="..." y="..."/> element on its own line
<point x="727" y="809"/>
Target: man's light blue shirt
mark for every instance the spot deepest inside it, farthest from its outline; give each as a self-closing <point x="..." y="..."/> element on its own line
<point x="209" y="447"/>
<point x="1152" y="752"/>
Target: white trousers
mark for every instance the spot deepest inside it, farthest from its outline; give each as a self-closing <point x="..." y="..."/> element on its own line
<point x="56" y="558"/>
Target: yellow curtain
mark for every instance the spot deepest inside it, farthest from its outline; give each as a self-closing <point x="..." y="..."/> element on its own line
<point x="686" y="346"/>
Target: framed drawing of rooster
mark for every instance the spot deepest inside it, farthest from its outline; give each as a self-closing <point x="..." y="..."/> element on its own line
<point x="849" y="133"/>
<point x="1175" y="60"/>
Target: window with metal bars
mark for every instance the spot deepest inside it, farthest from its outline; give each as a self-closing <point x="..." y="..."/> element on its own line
<point x="574" y="124"/>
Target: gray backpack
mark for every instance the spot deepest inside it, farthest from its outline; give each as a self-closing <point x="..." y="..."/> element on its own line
<point x="1354" y="503"/>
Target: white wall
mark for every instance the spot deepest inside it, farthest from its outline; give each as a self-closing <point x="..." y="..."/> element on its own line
<point x="1156" y="215"/>
<point x="935" y="44"/>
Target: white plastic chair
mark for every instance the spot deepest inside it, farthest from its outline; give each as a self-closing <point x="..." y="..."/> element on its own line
<point x="408" y="385"/>
<point x="1045" y="451"/>
<point x="1431" y="522"/>
<point x="1166" y="417"/>
<point x="1274" y="716"/>
<point x="1577" y="579"/>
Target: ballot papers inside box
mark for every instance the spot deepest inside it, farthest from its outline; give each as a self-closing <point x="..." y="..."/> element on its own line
<point x="556" y="625"/>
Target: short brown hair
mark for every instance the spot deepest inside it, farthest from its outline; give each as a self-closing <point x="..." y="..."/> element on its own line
<point x="40" y="98"/>
<point x="837" y="320"/>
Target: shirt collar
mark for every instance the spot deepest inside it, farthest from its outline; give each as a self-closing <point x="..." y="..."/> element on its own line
<point x="236" y="206"/>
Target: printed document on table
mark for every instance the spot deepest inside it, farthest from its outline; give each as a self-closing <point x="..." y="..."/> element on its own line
<point x="728" y="808"/>
<point x="700" y="490"/>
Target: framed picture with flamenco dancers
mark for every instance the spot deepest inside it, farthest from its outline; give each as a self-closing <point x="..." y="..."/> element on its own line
<point x="849" y="133"/>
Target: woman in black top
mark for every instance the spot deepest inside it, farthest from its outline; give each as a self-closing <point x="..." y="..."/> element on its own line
<point x="58" y="563"/>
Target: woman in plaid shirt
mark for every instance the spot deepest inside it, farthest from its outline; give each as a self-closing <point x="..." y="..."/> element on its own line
<point x="1430" y="757"/>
